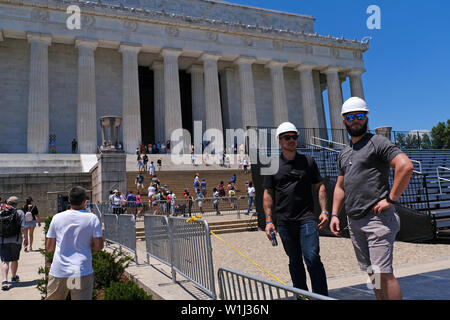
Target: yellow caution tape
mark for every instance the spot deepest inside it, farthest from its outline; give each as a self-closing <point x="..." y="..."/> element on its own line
<point x="195" y="218"/>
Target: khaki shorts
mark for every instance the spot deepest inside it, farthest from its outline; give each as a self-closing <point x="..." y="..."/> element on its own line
<point x="80" y="288"/>
<point x="373" y="239"/>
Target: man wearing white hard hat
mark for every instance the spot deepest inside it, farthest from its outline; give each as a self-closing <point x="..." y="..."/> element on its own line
<point x="363" y="188"/>
<point x="289" y="192"/>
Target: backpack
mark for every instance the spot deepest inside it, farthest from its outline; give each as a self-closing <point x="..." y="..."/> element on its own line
<point x="29" y="215"/>
<point x="10" y="223"/>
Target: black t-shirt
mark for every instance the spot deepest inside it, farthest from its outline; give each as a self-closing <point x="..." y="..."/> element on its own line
<point x="291" y="189"/>
<point x="34" y="210"/>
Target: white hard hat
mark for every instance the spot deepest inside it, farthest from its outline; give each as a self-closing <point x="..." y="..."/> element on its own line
<point x="354" y="104"/>
<point x="286" y="127"/>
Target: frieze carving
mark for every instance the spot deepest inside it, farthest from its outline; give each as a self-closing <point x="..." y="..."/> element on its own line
<point x="334" y="52"/>
<point x="172" y="31"/>
<point x="130" y="26"/>
<point x="212" y="36"/>
<point x="87" y="20"/>
<point x="357" y="54"/>
<point x="40" y="15"/>
<point x="278" y="45"/>
<point x="247" y="41"/>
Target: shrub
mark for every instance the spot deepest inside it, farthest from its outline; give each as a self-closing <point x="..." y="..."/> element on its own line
<point x="108" y="267"/>
<point x="126" y="291"/>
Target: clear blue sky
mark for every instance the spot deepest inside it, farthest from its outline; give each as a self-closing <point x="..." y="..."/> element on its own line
<point x="407" y="83"/>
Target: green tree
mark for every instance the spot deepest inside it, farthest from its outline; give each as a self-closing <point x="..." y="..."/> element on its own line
<point x="412" y="142"/>
<point x="441" y="135"/>
<point x="425" y="142"/>
<point x="400" y="138"/>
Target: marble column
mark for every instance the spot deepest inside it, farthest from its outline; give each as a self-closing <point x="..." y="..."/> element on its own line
<point x="212" y="92"/>
<point x="158" y="84"/>
<point x="38" y="105"/>
<point x="198" y="95"/>
<point x="356" y="86"/>
<point x="131" y="112"/>
<point x="335" y="104"/>
<point x="280" y="108"/>
<point x="172" y="99"/>
<point x="309" y="103"/>
<point x="248" y="105"/>
<point x="319" y="88"/>
<point x="86" y="111"/>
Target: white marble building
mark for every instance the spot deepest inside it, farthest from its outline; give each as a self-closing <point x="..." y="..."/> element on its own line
<point x="161" y="64"/>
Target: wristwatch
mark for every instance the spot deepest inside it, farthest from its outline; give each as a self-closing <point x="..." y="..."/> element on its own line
<point x="388" y="199"/>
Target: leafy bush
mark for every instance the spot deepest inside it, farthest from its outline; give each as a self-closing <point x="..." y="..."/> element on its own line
<point x="126" y="291"/>
<point x="108" y="267"/>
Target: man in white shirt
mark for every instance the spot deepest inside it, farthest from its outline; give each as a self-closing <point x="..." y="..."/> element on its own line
<point x="72" y="235"/>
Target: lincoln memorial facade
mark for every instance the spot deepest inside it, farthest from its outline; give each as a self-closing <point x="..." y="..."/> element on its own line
<point x="161" y="65"/>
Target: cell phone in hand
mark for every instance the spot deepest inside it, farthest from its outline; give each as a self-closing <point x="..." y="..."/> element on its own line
<point x="274" y="238"/>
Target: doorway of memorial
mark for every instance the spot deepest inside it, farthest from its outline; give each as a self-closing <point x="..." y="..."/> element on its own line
<point x="147" y="102"/>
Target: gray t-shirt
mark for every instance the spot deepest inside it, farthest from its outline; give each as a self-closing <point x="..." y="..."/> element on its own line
<point x="14" y="239"/>
<point x="365" y="167"/>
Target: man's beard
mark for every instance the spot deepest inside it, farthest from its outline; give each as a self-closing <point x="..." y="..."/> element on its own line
<point x="356" y="132"/>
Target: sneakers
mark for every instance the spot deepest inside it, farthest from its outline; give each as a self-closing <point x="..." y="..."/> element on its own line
<point x="5" y="285"/>
<point x="15" y="279"/>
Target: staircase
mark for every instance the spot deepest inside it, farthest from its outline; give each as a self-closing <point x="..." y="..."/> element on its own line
<point x="219" y="227"/>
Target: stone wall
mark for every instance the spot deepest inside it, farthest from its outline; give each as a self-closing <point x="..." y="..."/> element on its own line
<point x="43" y="188"/>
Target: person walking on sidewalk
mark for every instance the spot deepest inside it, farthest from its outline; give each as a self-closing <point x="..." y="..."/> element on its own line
<point x="363" y="188"/>
<point x="71" y="236"/>
<point x="31" y="218"/>
<point x="251" y="196"/>
<point x="11" y="227"/>
<point x="289" y="192"/>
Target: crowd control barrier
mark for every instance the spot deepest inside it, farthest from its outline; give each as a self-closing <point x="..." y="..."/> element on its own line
<point x="121" y="230"/>
<point x="184" y="246"/>
<point x="235" y="285"/>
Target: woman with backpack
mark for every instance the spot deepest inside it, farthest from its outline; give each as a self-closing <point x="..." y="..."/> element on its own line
<point x="31" y="217"/>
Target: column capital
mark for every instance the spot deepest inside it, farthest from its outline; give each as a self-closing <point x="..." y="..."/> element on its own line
<point x="332" y="69"/>
<point x="210" y="56"/>
<point x="195" y="68"/>
<point x="44" y="38"/>
<point x="171" y="52"/>
<point x="356" y="72"/>
<point x="245" y="60"/>
<point x="306" y="67"/>
<point x="130" y="47"/>
<point x="157" y="65"/>
<point x="275" y="64"/>
<point x="86" y="43"/>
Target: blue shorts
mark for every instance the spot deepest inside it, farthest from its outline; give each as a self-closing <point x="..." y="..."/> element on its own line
<point x="31" y="224"/>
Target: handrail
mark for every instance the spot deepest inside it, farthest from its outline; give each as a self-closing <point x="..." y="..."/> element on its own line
<point x="441" y="178"/>
<point x="325" y="140"/>
<point x="420" y="165"/>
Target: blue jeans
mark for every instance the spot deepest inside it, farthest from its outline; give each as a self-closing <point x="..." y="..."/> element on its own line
<point x="303" y="240"/>
<point x="250" y="201"/>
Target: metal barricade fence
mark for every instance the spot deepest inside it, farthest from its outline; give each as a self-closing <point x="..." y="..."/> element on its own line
<point x="185" y="247"/>
<point x="121" y="230"/>
<point x="192" y="252"/>
<point x="235" y="285"/>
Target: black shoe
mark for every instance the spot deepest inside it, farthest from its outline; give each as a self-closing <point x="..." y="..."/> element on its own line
<point x="5" y="285"/>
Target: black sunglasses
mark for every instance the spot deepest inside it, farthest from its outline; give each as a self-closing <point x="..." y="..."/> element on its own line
<point x="352" y="117"/>
<point x="289" y="137"/>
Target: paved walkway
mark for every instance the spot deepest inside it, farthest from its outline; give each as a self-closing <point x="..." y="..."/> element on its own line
<point x="29" y="263"/>
<point x="424" y="279"/>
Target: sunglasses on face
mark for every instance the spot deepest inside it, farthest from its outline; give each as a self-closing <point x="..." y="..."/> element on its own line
<point x="289" y="137"/>
<point x="359" y="116"/>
